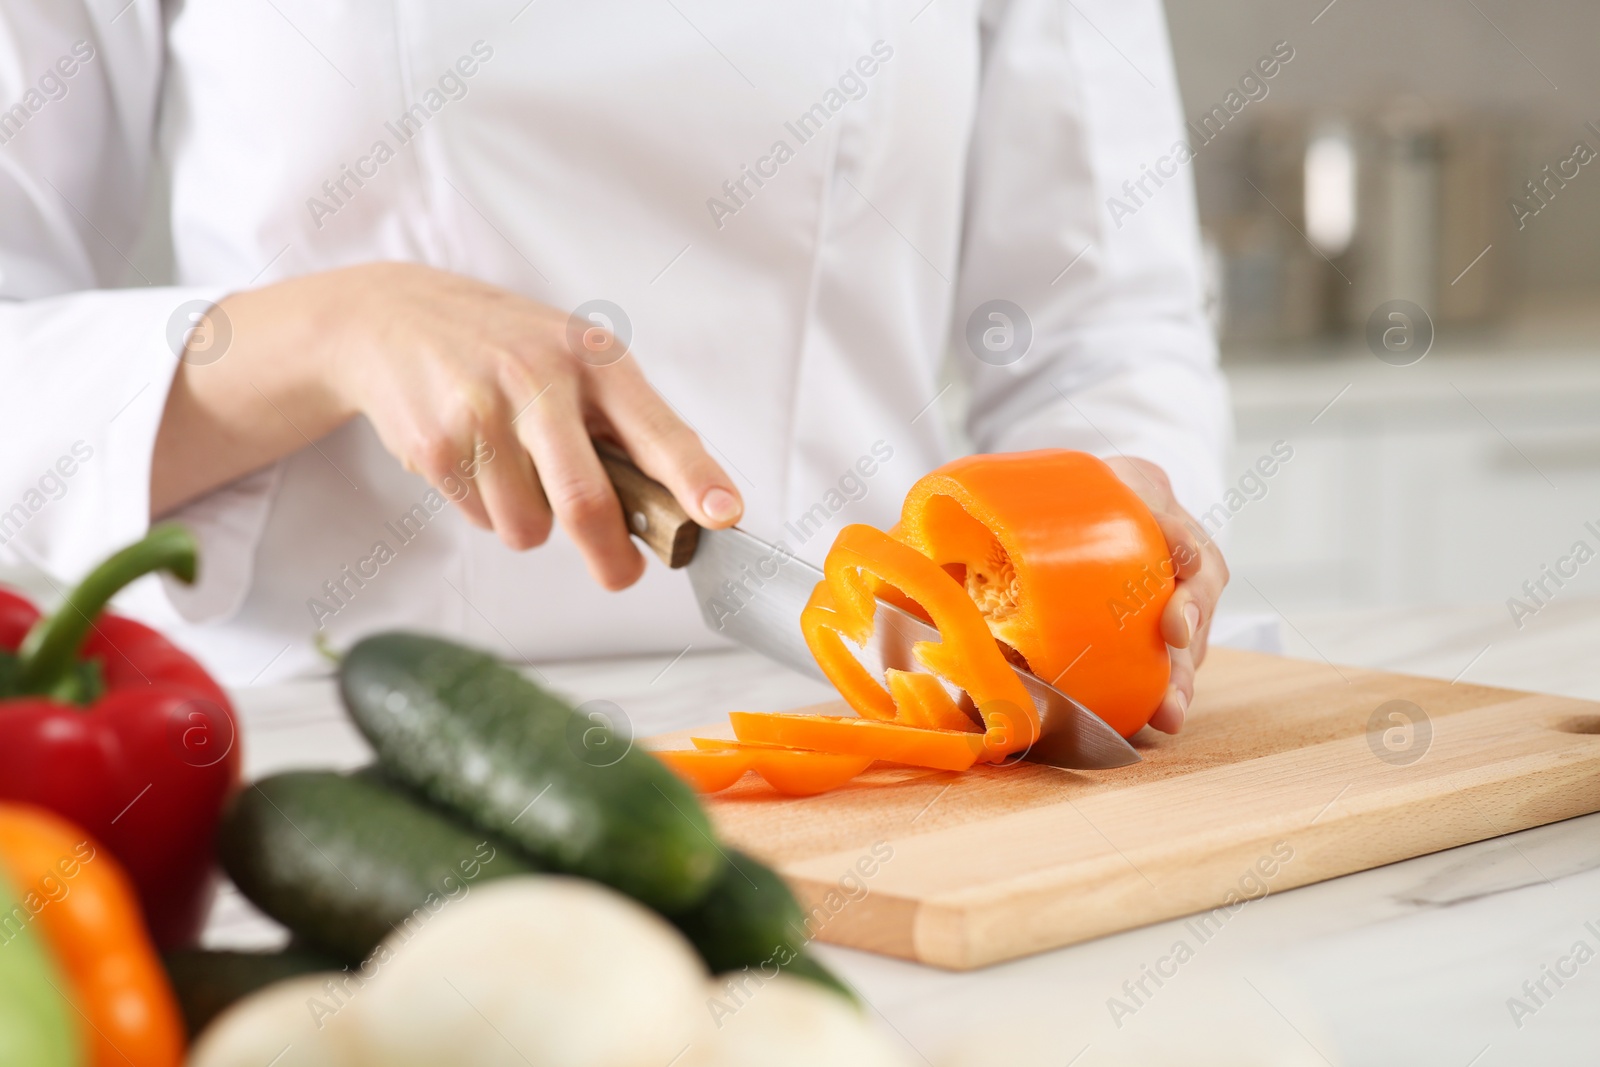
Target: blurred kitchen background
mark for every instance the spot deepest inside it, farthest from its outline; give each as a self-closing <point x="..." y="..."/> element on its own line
<point x="1385" y="162"/>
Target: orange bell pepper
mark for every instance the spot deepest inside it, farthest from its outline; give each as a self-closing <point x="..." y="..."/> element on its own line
<point x="795" y="772"/>
<point x="799" y="772"/>
<point x="88" y="914"/>
<point x="1066" y="564"/>
<point x="914" y="746"/>
<point x="715" y="764"/>
<point x="842" y="606"/>
<point x="707" y="770"/>
<point x="722" y="744"/>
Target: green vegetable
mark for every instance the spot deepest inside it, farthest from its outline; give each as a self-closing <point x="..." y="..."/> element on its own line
<point x="286" y="839"/>
<point x="35" y="1027"/>
<point x="749" y="918"/>
<point x="343" y="859"/>
<point x="208" y="981"/>
<point x="473" y="735"/>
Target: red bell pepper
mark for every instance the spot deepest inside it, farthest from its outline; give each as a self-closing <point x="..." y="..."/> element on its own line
<point x="105" y="722"/>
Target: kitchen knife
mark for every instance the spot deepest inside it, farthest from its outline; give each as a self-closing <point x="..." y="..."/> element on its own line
<point x="753" y="593"/>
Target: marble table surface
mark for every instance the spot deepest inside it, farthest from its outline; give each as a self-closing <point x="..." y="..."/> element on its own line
<point x="1418" y="963"/>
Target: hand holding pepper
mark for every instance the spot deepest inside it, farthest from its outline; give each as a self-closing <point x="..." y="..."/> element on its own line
<point x="1202" y="574"/>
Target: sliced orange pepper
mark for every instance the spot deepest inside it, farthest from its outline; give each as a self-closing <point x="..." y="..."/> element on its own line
<point x="842" y="606"/>
<point x="797" y="772"/>
<point x="716" y="743"/>
<point x="88" y="912"/>
<point x="921" y="700"/>
<point x="800" y="772"/>
<point x="1066" y="564"/>
<point x="707" y="770"/>
<point x="944" y="750"/>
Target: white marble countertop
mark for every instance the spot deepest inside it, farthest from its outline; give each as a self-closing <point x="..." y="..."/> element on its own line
<point x="1411" y="964"/>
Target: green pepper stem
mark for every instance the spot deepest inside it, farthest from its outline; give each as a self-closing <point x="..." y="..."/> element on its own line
<point x="50" y="651"/>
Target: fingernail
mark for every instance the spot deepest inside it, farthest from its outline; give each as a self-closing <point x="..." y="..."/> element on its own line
<point x="1191" y="618"/>
<point x="1183" y="704"/>
<point x="721" y="505"/>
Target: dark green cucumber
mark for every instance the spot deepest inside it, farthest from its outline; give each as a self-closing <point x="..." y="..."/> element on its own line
<point x="342" y="859"/>
<point x="750" y="919"/>
<point x="474" y="736"/>
<point x="207" y="981"/>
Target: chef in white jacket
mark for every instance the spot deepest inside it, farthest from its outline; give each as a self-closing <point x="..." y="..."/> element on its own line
<point x="423" y="251"/>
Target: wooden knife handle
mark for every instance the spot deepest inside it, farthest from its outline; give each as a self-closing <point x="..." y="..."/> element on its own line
<point x="652" y="512"/>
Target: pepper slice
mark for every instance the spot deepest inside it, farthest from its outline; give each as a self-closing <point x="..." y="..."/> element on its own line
<point x="723" y="744"/>
<point x="791" y="771"/>
<point x="842" y="606"/>
<point x="799" y="772"/>
<point x="34" y="1027"/>
<point x="89" y="917"/>
<point x="1066" y="564"/>
<point x="943" y="750"/>
<point x="714" y="765"/>
<point x="707" y="770"/>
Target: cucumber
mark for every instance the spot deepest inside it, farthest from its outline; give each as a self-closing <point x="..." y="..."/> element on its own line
<point x="207" y="981"/>
<point x="342" y="859"/>
<point x="286" y="839"/>
<point x="750" y="919"/>
<point x="474" y="736"/>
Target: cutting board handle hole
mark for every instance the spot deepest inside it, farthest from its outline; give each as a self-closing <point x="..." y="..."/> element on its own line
<point x="1582" y="724"/>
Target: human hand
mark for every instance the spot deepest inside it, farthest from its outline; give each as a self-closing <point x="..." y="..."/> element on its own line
<point x="447" y="368"/>
<point x="489" y="395"/>
<point x="1202" y="574"/>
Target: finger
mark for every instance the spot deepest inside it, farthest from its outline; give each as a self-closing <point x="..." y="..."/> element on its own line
<point x="664" y="446"/>
<point x="1174" y="709"/>
<point x="1183" y="617"/>
<point x="439" y="458"/>
<point x="1188" y="613"/>
<point x="502" y="471"/>
<point x="1197" y="647"/>
<point x="1182" y="543"/>
<point x="580" y="494"/>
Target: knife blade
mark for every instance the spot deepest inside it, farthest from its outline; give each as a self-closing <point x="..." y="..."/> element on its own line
<point x="752" y="592"/>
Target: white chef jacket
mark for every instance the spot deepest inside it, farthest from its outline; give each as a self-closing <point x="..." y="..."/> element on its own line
<point x="798" y="207"/>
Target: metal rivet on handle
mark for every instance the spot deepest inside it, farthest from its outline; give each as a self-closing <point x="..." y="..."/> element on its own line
<point x="641" y="521"/>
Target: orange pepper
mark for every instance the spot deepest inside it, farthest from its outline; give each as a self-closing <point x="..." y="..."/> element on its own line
<point x="708" y="771"/>
<point x="842" y="606"/>
<point x="722" y="744"/>
<point x="807" y="773"/>
<point x="1066" y="564"/>
<point x="715" y="764"/>
<point x="88" y="914"/>
<point x="914" y="746"/>
<point x="795" y="772"/>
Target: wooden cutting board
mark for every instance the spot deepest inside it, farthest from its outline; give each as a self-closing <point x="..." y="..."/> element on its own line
<point x="1286" y="773"/>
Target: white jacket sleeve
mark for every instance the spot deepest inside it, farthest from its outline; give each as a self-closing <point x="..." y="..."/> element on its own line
<point x="1079" y="105"/>
<point x="86" y="366"/>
